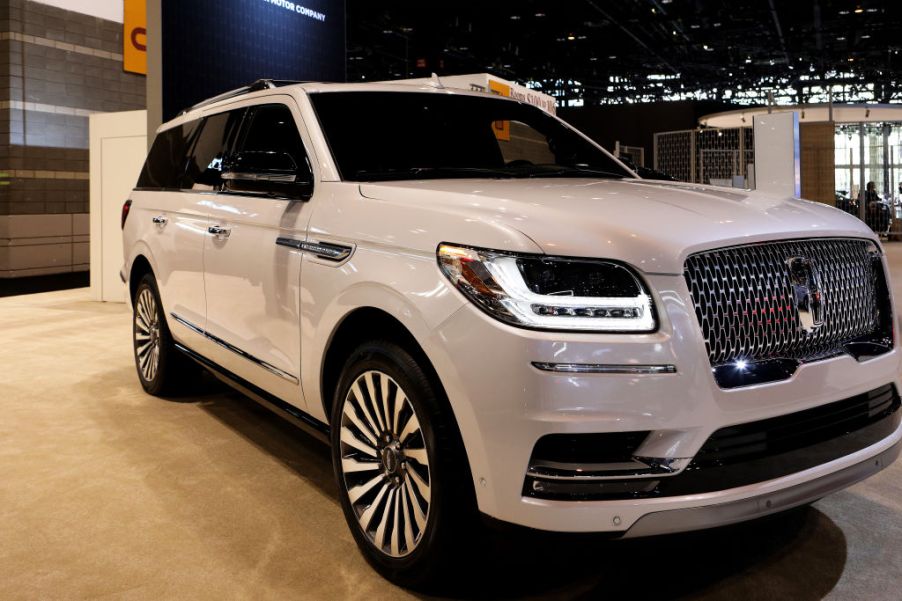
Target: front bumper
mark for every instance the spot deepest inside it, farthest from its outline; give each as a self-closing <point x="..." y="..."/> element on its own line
<point x="764" y="503"/>
<point x="504" y="405"/>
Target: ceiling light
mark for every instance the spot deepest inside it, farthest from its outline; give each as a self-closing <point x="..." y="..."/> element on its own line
<point x="540" y="15"/>
<point x="859" y="10"/>
<point x="865" y="37"/>
<point x="841" y="38"/>
<point x="515" y="17"/>
<point x="843" y="12"/>
<point x="571" y="37"/>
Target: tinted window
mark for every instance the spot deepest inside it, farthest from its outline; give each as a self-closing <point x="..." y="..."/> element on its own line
<point x="395" y="135"/>
<point x="205" y="165"/>
<point x="272" y="129"/>
<point x="165" y="164"/>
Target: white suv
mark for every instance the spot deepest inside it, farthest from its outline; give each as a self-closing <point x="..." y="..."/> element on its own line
<point x="485" y="313"/>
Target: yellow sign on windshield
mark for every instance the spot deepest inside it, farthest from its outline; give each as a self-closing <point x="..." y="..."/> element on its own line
<point x="502" y="129"/>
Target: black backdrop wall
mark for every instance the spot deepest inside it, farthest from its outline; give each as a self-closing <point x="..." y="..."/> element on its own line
<point x="211" y="46"/>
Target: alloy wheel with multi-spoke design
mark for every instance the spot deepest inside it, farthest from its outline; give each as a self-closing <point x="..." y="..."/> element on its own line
<point x="147" y="334"/>
<point x="384" y="464"/>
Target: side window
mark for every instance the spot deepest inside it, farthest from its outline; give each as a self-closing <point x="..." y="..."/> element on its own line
<point x="272" y="130"/>
<point x="205" y="164"/>
<point x="165" y="164"/>
<point x="524" y="144"/>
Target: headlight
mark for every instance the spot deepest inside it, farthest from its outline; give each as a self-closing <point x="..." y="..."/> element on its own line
<point x="550" y="293"/>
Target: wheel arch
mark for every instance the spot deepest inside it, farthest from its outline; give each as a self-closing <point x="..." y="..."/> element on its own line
<point x="366" y="323"/>
<point x="356" y="327"/>
<point x="139" y="268"/>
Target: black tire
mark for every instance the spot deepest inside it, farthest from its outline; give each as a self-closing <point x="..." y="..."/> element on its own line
<point x="149" y="326"/>
<point x="451" y="509"/>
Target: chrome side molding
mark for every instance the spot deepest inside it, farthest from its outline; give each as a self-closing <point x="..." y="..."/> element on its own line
<point x="323" y="250"/>
<point x="637" y="467"/>
<point x="603" y="368"/>
<point x="293" y="414"/>
<point x="260" y="362"/>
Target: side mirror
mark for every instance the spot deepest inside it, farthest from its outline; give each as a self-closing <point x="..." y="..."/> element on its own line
<point x="268" y="172"/>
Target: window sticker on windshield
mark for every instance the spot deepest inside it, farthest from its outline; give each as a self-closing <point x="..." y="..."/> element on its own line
<point x="502" y="129"/>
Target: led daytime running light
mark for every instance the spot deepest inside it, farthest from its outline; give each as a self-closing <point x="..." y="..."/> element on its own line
<point x="495" y="282"/>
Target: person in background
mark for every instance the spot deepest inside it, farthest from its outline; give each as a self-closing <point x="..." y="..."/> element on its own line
<point x="870" y="194"/>
<point x="877" y="213"/>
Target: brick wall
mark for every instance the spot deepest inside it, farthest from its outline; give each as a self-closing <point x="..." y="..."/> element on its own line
<point x="56" y="68"/>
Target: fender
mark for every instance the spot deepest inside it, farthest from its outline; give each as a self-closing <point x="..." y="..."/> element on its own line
<point x="138" y="249"/>
<point x="379" y="296"/>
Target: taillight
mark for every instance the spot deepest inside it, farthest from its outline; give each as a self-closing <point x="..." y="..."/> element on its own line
<point x="125" y="209"/>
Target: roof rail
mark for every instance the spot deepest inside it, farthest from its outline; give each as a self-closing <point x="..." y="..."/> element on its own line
<point x="260" y="84"/>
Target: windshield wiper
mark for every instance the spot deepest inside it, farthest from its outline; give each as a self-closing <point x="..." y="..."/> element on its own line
<point x="564" y="171"/>
<point x="429" y="173"/>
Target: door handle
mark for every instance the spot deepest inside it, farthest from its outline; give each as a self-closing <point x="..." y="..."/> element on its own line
<point x="219" y="231"/>
<point x="160" y="220"/>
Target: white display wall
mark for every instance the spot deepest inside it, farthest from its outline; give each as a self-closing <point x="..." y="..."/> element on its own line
<point x="118" y="145"/>
<point x="777" y="154"/>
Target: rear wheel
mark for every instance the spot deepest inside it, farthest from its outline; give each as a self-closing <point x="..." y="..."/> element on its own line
<point x="404" y="487"/>
<point x="159" y="364"/>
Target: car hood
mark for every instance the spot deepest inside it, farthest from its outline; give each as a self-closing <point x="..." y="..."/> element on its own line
<point x="652" y="225"/>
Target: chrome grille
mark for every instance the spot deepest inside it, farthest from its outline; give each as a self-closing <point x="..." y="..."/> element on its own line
<point x="746" y="308"/>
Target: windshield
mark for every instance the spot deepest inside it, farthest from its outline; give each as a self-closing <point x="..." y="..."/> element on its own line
<point x="378" y="136"/>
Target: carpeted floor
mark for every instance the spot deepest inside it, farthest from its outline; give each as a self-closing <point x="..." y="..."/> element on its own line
<point x="107" y="493"/>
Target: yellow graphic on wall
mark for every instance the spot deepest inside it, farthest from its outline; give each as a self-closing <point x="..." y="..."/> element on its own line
<point x="502" y="129"/>
<point x="134" y="37"/>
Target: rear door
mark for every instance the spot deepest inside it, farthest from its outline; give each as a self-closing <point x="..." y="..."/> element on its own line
<point x="173" y="224"/>
<point x="251" y="281"/>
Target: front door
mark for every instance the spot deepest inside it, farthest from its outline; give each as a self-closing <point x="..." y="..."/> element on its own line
<point x="251" y="282"/>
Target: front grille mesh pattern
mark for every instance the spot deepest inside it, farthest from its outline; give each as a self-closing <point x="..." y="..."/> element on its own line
<point x="745" y="304"/>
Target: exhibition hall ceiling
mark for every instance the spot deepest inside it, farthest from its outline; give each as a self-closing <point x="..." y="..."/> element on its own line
<point x="597" y="51"/>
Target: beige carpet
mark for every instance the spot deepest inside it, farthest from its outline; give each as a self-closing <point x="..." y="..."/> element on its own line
<point x="107" y="493"/>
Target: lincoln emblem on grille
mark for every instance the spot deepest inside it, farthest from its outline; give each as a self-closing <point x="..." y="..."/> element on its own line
<point x="806" y="288"/>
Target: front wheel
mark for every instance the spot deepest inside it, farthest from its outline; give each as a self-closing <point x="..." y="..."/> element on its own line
<point x="404" y="488"/>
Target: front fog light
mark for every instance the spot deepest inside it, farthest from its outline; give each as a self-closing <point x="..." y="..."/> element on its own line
<point x="552" y="293"/>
